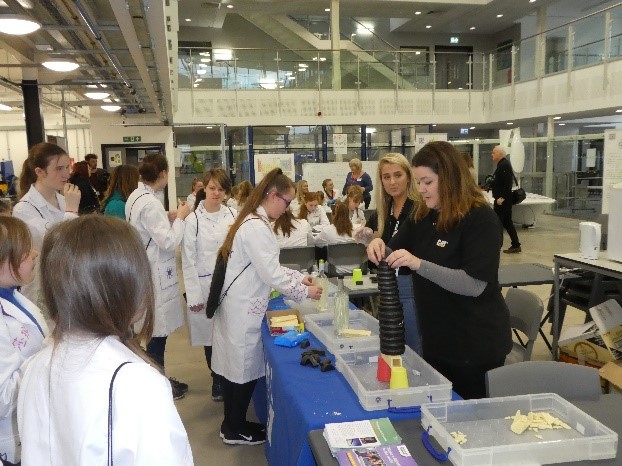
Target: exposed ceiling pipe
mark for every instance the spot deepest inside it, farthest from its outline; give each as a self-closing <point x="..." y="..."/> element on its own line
<point x="104" y="45"/>
<point x="124" y="20"/>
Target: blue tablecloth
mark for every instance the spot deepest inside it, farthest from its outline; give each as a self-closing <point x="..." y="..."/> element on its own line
<point x="295" y="399"/>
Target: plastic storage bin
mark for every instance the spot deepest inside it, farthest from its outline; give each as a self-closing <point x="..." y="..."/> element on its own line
<point x="426" y="385"/>
<point x="321" y="325"/>
<point x="491" y="442"/>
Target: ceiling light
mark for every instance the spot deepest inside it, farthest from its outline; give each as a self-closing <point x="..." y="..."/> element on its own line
<point x="472" y="127"/>
<point x="291" y="78"/>
<point x="18" y="25"/>
<point x="288" y="126"/>
<point x="619" y="110"/>
<point x="111" y="108"/>
<point x="561" y="124"/>
<point x="107" y="100"/>
<point x="96" y="95"/>
<point x="201" y="71"/>
<point x="532" y="1"/>
<point x="229" y="6"/>
<point x="418" y="52"/>
<point x="433" y="125"/>
<point x="365" y="30"/>
<point x="428" y="26"/>
<point x="499" y="16"/>
<point x="198" y="80"/>
<point x="369" y="130"/>
<point x="326" y="9"/>
<point x="303" y="65"/>
<point x="206" y="60"/>
<point x="208" y="127"/>
<point x="557" y="118"/>
<point x="5" y="108"/>
<point x="60" y="65"/>
<point x="188" y="19"/>
<point x="472" y="28"/>
<point x="204" y="54"/>
<point x="92" y="86"/>
<point x="509" y="123"/>
<point x="417" y="12"/>
<point x="223" y="54"/>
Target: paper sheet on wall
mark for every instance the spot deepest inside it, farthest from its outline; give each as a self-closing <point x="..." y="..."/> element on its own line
<point x="267" y="162"/>
<point x="612" y="164"/>
<point x="340" y="143"/>
<point x="114" y="158"/>
<point x="423" y="138"/>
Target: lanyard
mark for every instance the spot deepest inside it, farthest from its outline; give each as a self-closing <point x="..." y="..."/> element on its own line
<point x="8" y="294"/>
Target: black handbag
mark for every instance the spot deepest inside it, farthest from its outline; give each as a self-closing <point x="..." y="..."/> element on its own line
<point x="518" y="194"/>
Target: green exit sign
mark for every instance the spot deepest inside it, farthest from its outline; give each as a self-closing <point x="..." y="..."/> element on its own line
<point x="131" y="138"/>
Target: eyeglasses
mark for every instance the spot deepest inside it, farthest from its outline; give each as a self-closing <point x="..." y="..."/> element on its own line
<point x="287" y="201"/>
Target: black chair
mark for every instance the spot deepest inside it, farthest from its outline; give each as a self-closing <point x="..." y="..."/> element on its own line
<point x="346" y="255"/>
<point x="299" y="258"/>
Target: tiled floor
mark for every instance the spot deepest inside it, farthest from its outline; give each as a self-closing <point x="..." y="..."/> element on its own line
<point x="202" y="416"/>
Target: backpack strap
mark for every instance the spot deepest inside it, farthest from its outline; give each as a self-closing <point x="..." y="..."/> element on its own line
<point x="114" y="376"/>
<point x="34" y="207"/>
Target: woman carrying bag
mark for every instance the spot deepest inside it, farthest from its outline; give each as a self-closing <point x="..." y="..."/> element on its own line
<point x="251" y="255"/>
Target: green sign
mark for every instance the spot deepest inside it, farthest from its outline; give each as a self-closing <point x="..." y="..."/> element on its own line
<point x="131" y="138"/>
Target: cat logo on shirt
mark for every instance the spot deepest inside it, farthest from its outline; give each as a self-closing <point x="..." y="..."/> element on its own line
<point x="441" y="243"/>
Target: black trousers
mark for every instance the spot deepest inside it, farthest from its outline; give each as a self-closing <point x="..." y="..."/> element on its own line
<point x="468" y="381"/>
<point x="155" y="349"/>
<point x="237" y="398"/>
<point x="218" y="379"/>
<point x="504" y="211"/>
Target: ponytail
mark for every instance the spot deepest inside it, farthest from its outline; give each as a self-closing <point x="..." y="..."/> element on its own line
<point x="39" y="156"/>
<point x="275" y="179"/>
<point x="341" y="219"/>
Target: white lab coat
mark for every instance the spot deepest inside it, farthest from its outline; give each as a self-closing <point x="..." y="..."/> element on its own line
<point x="329" y="236"/>
<point x="301" y="236"/>
<point x="145" y="212"/>
<point x="40" y="216"/>
<point x="238" y="352"/>
<point x="20" y="338"/>
<point x="318" y="218"/>
<point x="203" y="235"/>
<point x="357" y="217"/>
<point x="231" y="202"/>
<point x="62" y="408"/>
<point x="191" y="199"/>
<point x="294" y="207"/>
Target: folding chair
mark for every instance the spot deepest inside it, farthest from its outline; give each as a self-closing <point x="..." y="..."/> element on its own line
<point x="526" y="310"/>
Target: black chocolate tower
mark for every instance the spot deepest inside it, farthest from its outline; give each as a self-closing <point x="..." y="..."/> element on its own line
<point x="390" y="313"/>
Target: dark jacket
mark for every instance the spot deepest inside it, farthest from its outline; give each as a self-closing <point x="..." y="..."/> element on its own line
<point x="88" y="199"/>
<point x="503" y="179"/>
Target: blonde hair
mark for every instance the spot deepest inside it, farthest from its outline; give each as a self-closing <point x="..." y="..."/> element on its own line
<point x="355" y="193"/>
<point x="356" y="163"/>
<point x="299" y="190"/>
<point x="383" y="199"/>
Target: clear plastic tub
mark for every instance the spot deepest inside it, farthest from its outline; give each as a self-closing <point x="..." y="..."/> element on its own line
<point x="426" y="385"/>
<point x="321" y="325"/>
<point x="491" y="442"/>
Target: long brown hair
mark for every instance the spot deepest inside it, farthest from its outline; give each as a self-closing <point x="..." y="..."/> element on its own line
<point x="39" y="156"/>
<point x="308" y="197"/>
<point x="383" y="199"/>
<point x="274" y="179"/>
<point x="245" y="188"/>
<point x="458" y="193"/>
<point x="341" y="219"/>
<point x="124" y="179"/>
<point x="15" y="244"/>
<point x="96" y="279"/>
<point x="284" y="224"/>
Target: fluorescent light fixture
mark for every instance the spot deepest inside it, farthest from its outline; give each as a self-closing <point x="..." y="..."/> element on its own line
<point x="291" y="78"/>
<point x="111" y="108"/>
<point x="472" y="127"/>
<point x="206" y="60"/>
<point x="92" y="86"/>
<point x="460" y="88"/>
<point x="472" y="28"/>
<point x="223" y="54"/>
<point x="369" y="130"/>
<point x="561" y="124"/>
<point x="499" y="15"/>
<point x="96" y="95"/>
<point x="108" y="101"/>
<point x="509" y="123"/>
<point x="188" y="19"/>
<point x="208" y="127"/>
<point x="326" y="9"/>
<point x="417" y="12"/>
<point x="428" y="26"/>
<point x="195" y="85"/>
<point x="418" y="52"/>
<point x="5" y="108"/>
<point x="365" y="31"/>
<point x="201" y="71"/>
<point x="532" y="1"/>
<point x="303" y="65"/>
<point x="18" y="25"/>
<point x="434" y="125"/>
<point x="198" y="80"/>
<point x="204" y="54"/>
<point x="288" y="126"/>
<point x="557" y="118"/>
<point x="619" y="110"/>
<point x="229" y="6"/>
<point x="60" y="65"/>
<point x="302" y="69"/>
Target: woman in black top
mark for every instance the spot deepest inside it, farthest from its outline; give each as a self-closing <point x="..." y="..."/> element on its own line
<point x="452" y="243"/>
<point x="88" y="197"/>
<point x="394" y="204"/>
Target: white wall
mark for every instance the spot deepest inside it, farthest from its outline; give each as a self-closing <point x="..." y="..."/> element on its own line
<point x="109" y="129"/>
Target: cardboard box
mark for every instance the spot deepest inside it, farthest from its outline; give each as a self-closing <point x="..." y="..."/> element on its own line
<point x="608" y="319"/>
<point x="285" y="312"/>
<point x="583" y="344"/>
<point x="612" y="374"/>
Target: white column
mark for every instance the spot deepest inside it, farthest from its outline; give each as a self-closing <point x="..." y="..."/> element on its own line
<point x="335" y="43"/>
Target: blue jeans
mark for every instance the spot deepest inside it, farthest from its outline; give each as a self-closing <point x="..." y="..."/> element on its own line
<point x="411" y="321"/>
